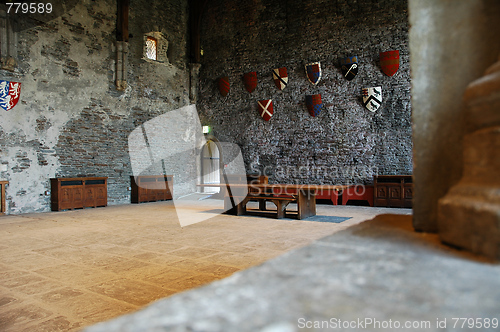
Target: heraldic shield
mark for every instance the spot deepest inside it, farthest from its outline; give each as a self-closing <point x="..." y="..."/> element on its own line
<point x="314" y="104"/>
<point x="372" y="98"/>
<point x="280" y="77"/>
<point x="9" y="94"/>
<point x="250" y="80"/>
<point x="313" y="72"/>
<point x="349" y="67"/>
<point x="223" y="84"/>
<point x="266" y="109"/>
<point x="389" y="61"/>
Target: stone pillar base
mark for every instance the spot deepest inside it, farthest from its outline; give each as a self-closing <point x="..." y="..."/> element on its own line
<point x="469" y="214"/>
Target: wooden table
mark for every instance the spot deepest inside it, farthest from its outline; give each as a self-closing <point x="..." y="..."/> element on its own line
<point x="238" y="195"/>
<point x="2" y="196"/>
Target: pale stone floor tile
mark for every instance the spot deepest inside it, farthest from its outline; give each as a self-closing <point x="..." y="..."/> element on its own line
<point x="61" y="271"/>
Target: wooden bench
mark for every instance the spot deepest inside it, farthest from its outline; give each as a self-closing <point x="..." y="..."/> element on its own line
<point x="280" y="202"/>
<point x="249" y="179"/>
<point x="238" y="195"/>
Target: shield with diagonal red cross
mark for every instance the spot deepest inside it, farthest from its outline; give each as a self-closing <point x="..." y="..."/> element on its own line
<point x="223" y="84"/>
<point x="280" y="77"/>
<point x="313" y="72"/>
<point x="389" y="61"/>
<point x="250" y="80"/>
<point x="266" y="109"/>
<point x="9" y="94"/>
<point x="314" y="104"/>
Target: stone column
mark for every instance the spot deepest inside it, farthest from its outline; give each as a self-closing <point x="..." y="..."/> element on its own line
<point x="194" y="77"/>
<point x="469" y="214"/>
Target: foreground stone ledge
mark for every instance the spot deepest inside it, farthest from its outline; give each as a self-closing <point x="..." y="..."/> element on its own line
<point x="379" y="269"/>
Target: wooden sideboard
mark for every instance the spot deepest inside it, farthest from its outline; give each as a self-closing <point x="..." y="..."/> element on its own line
<point x="393" y="190"/>
<point x="151" y="188"/>
<point x="78" y="193"/>
<point x="3" y="207"/>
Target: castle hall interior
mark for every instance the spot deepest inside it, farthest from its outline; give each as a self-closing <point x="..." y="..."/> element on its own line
<point x="249" y="165"/>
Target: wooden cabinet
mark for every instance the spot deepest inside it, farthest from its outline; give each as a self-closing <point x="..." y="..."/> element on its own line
<point x="393" y="190"/>
<point x="78" y="193"/>
<point x="3" y="206"/>
<point x="151" y="188"/>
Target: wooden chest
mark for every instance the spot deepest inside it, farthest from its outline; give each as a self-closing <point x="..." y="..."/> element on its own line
<point x="393" y="190"/>
<point x="151" y="188"/>
<point x="78" y="193"/>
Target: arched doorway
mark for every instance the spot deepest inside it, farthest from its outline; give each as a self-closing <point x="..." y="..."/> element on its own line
<point x="211" y="166"/>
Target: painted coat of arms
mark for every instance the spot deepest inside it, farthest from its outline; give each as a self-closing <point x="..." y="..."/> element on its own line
<point x="223" y="84"/>
<point x="314" y="104"/>
<point x="9" y="94"/>
<point x="280" y="77"/>
<point x="266" y="109"/>
<point x="250" y="81"/>
<point x="349" y="67"/>
<point x="389" y="61"/>
<point x="372" y="98"/>
<point x="313" y="72"/>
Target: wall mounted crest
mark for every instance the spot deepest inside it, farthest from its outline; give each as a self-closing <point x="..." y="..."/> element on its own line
<point x="314" y="104"/>
<point x="313" y="72"/>
<point x="9" y="94"/>
<point x="280" y="77"/>
<point x="389" y="61"/>
<point x="224" y="86"/>
<point x="266" y="109"/>
<point x="372" y="98"/>
<point x="349" y="67"/>
<point x="250" y="80"/>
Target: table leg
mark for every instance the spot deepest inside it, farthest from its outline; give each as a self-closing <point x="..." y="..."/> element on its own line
<point x="306" y="204"/>
<point x="236" y="206"/>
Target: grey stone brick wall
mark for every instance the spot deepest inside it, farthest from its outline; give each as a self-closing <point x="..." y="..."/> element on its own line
<point x="346" y="143"/>
<point x="71" y="120"/>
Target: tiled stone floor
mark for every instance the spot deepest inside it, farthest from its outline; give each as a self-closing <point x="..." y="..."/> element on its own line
<point x="62" y="271"/>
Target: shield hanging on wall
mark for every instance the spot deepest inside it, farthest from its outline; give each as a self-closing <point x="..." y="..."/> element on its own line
<point x="349" y="67"/>
<point x="265" y="109"/>
<point x="372" y="98"/>
<point x="223" y="84"/>
<point x="280" y="77"/>
<point x="9" y="94"/>
<point x="313" y="72"/>
<point x="389" y="61"/>
<point x="314" y="104"/>
<point x="250" y="80"/>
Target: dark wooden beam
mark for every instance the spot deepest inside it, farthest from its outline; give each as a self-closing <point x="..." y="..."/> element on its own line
<point x="196" y="9"/>
<point x="122" y="20"/>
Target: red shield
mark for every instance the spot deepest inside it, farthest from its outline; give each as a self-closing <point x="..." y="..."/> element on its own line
<point x="250" y="80"/>
<point x="224" y="85"/>
<point x="9" y="94"/>
<point x="266" y="109"/>
<point x="389" y="61"/>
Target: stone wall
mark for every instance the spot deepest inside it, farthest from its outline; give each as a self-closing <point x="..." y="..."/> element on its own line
<point x="346" y="142"/>
<point x="71" y="120"/>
